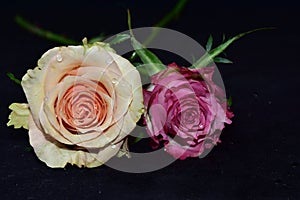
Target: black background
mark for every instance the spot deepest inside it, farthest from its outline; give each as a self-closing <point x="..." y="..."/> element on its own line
<point x="259" y="155"/>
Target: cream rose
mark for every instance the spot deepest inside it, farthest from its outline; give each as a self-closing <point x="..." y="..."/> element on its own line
<point x="83" y="102"/>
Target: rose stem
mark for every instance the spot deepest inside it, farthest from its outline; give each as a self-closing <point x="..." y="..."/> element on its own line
<point x="43" y="33"/>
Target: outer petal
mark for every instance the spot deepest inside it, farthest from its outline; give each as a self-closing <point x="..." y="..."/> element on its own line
<point x="19" y="115"/>
<point x="57" y="155"/>
<point x="37" y="82"/>
<point x="182" y="152"/>
<point x="136" y="107"/>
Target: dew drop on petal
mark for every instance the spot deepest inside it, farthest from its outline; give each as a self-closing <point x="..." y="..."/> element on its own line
<point x="201" y="126"/>
<point x="114" y="81"/>
<point x="59" y="58"/>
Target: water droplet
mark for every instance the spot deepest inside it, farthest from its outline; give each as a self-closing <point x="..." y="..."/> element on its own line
<point x="201" y="126"/>
<point x="114" y="81"/>
<point x="165" y="149"/>
<point x="59" y="58"/>
<point x="113" y="146"/>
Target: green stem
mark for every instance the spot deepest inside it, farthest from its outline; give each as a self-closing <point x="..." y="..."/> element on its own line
<point x="208" y="58"/>
<point x="167" y="19"/>
<point x="147" y="57"/>
<point x="163" y="22"/>
<point x="43" y="33"/>
<point x="129" y="22"/>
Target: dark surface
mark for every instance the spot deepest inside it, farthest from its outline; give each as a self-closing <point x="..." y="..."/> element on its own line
<point x="259" y="155"/>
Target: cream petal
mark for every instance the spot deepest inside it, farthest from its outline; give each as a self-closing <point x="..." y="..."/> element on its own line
<point x="123" y="98"/>
<point x="132" y="76"/>
<point x="108" y="136"/>
<point x="100" y="75"/>
<point x="136" y="107"/>
<point x="125" y="127"/>
<point x="37" y="82"/>
<point x="69" y="81"/>
<point x="71" y="56"/>
<point x="97" y="56"/>
<point x="19" y="115"/>
<point x="56" y="155"/>
<point x="121" y="89"/>
<point x="33" y="82"/>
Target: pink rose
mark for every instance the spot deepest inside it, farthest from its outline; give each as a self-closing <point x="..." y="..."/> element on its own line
<point x="83" y="102"/>
<point x="186" y="105"/>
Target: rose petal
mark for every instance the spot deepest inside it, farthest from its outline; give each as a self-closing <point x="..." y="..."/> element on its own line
<point x="19" y="115"/>
<point x="52" y="127"/>
<point x="57" y="155"/>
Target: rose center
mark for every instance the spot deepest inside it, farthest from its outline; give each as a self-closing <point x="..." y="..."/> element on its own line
<point x="83" y="107"/>
<point x="189" y="116"/>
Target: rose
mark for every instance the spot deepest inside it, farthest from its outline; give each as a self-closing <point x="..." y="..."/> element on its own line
<point x="185" y="104"/>
<point x="83" y="101"/>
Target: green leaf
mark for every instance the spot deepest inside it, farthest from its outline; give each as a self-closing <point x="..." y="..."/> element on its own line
<point x="154" y="65"/>
<point x="97" y="39"/>
<point x="152" y="62"/>
<point x="209" y="43"/>
<point x="222" y="60"/>
<point x="229" y="101"/>
<point x="13" y="78"/>
<point x="119" y="38"/>
<point x="133" y="139"/>
<point x="142" y="69"/>
<point x="207" y="58"/>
